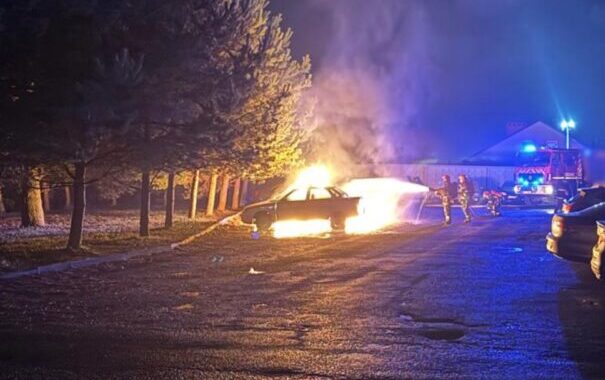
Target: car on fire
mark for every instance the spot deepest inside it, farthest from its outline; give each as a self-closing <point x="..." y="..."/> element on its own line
<point x="585" y="198"/>
<point x="329" y="203"/>
<point x="598" y="251"/>
<point x="572" y="234"/>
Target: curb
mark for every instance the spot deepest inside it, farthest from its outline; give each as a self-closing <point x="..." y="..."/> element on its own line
<point x="93" y="261"/>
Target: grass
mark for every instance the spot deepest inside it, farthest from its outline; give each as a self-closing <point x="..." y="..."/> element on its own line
<point x="31" y="252"/>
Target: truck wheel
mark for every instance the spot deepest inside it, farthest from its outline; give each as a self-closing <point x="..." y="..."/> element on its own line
<point x="263" y="222"/>
<point x="337" y="222"/>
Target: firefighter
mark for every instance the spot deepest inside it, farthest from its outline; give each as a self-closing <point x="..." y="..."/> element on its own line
<point x="494" y="201"/>
<point x="465" y="193"/>
<point x="445" y="194"/>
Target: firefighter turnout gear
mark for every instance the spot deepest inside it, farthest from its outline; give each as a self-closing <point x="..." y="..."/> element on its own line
<point x="494" y="201"/>
<point x="465" y="195"/>
<point x="445" y="194"/>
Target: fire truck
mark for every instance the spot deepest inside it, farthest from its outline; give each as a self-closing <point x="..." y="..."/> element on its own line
<point x="548" y="175"/>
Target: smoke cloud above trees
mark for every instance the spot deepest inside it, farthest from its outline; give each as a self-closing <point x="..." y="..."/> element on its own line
<point x="443" y="71"/>
<point x="369" y="82"/>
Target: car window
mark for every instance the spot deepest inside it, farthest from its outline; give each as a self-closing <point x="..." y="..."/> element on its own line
<point x="297" y="195"/>
<point x="319" y="193"/>
<point x="337" y="193"/>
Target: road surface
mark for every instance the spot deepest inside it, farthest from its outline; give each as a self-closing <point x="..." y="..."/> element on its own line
<point x="429" y="302"/>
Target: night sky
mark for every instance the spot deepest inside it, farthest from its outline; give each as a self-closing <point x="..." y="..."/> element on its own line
<point x="461" y="70"/>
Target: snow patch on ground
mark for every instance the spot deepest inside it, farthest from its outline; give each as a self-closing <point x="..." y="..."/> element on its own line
<point x="95" y="221"/>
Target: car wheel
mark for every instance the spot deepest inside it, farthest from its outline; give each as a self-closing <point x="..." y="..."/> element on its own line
<point x="263" y="222"/>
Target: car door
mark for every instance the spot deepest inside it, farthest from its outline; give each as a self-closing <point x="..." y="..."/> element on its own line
<point x="292" y="205"/>
<point x="320" y="203"/>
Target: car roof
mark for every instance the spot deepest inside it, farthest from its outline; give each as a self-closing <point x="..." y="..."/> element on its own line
<point x="597" y="210"/>
<point x="331" y="189"/>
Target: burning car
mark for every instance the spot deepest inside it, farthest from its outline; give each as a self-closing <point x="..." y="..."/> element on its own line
<point x="327" y="204"/>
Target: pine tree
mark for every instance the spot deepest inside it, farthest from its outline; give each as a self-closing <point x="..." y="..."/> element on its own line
<point x="195" y="80"/>
<point x="270" y="122"/>
<point x="68" y="97"/>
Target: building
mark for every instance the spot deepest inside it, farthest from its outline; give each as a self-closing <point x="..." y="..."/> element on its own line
<point x="538" y="134"/>
<point x="492" y="167"/>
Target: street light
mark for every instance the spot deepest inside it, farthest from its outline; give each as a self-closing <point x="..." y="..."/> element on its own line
<point x="567" y="125"/>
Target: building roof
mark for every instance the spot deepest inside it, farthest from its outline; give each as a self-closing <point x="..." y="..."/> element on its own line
<point x="539" y="134"/>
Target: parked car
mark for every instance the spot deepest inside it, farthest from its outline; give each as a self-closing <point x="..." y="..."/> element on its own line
<point x="303" y="204"/>
<point x="584" y="198"/>
<point x="596" y="263"/>
<point x="572" y="234"/>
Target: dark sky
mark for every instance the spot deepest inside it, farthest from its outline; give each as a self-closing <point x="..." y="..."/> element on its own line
<point x="462" y="69"/>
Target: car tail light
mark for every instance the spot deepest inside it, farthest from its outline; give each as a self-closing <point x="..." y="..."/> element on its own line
<point x="566" y="208"/>
<point x="601" y="231"/>
<point x="596" y="263"/>
<point x="557" y="226"/>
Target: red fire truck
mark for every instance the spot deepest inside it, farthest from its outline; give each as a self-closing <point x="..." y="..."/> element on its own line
<point x="546" y="175"/>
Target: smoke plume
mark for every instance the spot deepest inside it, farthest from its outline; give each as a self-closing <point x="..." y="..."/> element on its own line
<point x="370" y="82"/>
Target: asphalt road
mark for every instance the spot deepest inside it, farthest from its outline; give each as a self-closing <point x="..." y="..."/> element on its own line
<point x="468" y="301"/>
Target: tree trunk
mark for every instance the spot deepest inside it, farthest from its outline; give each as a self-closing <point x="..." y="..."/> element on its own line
<point x="46" y="199"/>
<point x="235" y="196"/>
<point x="2" y="208"/>
<point x="168" y="220"/>
<point x="211" y="194"/>
<point x="145" y="203"/>
<point x="222" y="197"/>
<point x="243" y="196"/>
<point x="74" y="242"/>
<point x="32" y="212"/>
<point x="67" y="193"/>
<point x="23" y="208"/>
<point x="195" y="185"/>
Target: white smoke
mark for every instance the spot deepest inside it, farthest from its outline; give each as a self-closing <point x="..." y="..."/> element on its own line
<point x="376" y="73"/>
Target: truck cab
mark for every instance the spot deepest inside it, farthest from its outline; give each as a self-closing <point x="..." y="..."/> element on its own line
<point x="548" y="174"/>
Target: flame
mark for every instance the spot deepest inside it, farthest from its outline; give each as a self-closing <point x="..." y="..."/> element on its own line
<point x="295" y="228"/>
<point x="380" y="202"/>
<point x="378" y="208"/>
<point x="317" y="175"/>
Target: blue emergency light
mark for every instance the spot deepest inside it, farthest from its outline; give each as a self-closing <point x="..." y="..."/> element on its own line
<point x="529" y="148"/>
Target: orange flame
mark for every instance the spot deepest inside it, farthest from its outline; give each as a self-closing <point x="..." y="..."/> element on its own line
<point x="295" y="228"/>
<point x="378" y="207"/>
